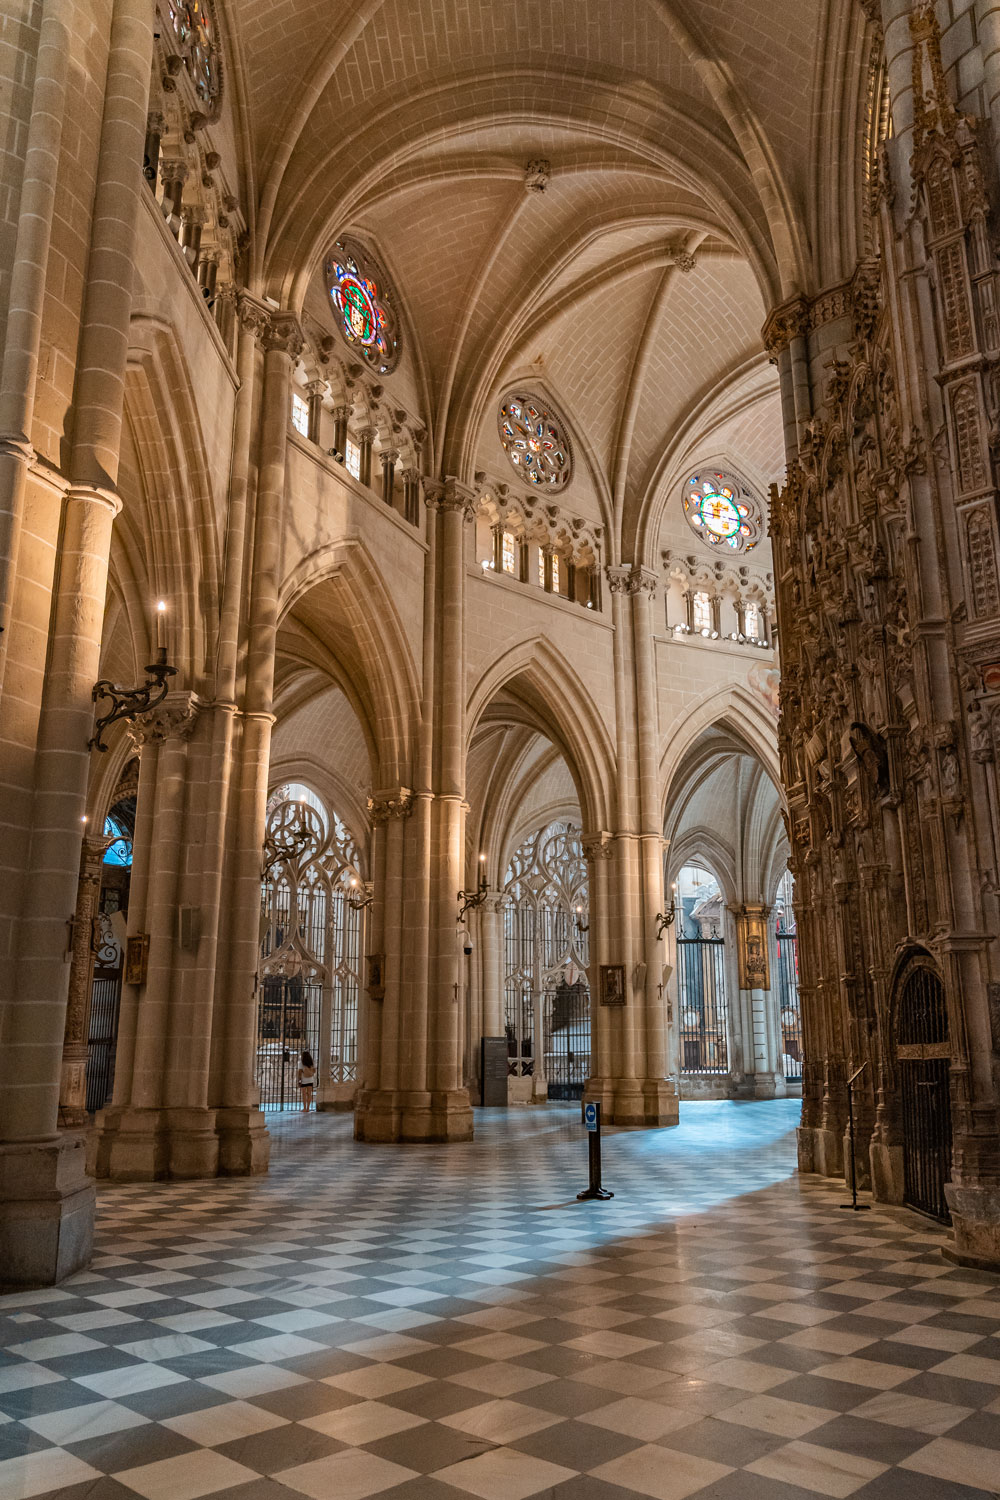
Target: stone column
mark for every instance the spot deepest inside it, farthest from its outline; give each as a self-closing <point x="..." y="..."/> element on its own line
<point x="754" y="959"/>
<point x="193" y="220"/>
<point x="315" y="390"/>
<point x="599" y="852"/>
<point x="388" y="459"/>
<point x="156" y="129"/>
<point x="366" y="438"/>
<point x="341" y="417"/>
<point x="46" y="1218"/>
<point x="19" y="371"/>
<point x="491" y="963"/>
<point x="208" y="270"/>
<point x="411" y="496"/>
<point x="173" y="175"/>
<point x="73" y="1083"/>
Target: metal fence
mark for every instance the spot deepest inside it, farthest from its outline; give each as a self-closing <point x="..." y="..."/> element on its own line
<point x="701" y="990"/>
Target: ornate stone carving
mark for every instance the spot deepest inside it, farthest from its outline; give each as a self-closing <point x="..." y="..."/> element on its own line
<point x="537" y="174"/>
<point x="387" y="805"/>
<point x="598" y="846"/>
<point x="175" y="718"/>
<point x="284" y="335"/>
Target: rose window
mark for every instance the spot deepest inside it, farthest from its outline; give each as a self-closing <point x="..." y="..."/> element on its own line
<point x="535" y="441"/>
<point x="364" y="305"/>
<point x="723" y="511"/>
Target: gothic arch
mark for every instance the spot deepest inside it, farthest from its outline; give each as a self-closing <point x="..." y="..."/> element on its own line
<point x="561" y="708"/>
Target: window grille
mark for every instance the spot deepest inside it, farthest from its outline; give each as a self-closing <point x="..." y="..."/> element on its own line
<point x="546" y="953"/>
<point x="311" y="951"/>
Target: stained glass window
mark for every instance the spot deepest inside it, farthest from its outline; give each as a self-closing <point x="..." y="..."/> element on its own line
<point x="556" y="582"/>
<point x="751" y="621"/>
<point x="352" y="458"/>
<point x="191" y="23"/>
<point x="364" y="305"/>
<point x="300" y="415"/>
<point x="541" y="568"/>
<point x="723" y="511"/>
<point x="702" y="612"/>
<point x="535" y="440"/>
<point x="509" y="553"/>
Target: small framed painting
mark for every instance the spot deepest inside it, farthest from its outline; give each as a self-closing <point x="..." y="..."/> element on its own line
<point x="137" y="958"/>
<point x="612" y="984"/>
<point x="376" y="975"/>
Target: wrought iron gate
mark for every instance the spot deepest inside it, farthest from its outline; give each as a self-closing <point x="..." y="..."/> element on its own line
<point x="105" y="1002"/>
<point x="788" y="1002"/>
<point x="288" y="1024"/>
<point x="701" y="991"/>
<point x="923" y="1055"/>
<point x="567" y="1039"/>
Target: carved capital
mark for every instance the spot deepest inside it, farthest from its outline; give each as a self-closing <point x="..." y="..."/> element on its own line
<point x="618" y="578"/>
<point x="253" y="315"/>
<point x="173" y="170"/>
<point x="316" y="388"/>
<point x="598" y="846"/>
<point x="394" y="803"/>
<point x="785" y="323"/>
<point x="284" y="335"/>
<point x="387" y="457"/>
<point x="175" y="718"/>
<point x="448" y="494"/>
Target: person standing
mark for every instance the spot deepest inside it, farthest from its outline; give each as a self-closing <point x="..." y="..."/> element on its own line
<point x="307" y="1080"/>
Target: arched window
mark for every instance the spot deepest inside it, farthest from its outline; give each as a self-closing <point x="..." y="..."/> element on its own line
<point x="310" y="972"/>
<point x="535" y="441"/>
<point x="723" y="511"/>
<point x="509" y="553"/>
<point x="546" y="951"/>
<point x="194" y="36"/>
<point x="701" y="973"/>
<point x="702" y="613"/>
<point x="751" y="620"/>
<point x="789" y="1010"/>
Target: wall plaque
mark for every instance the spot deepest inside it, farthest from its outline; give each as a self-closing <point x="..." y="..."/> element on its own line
<point x="612" y="984"/>
<point x="136" y="958"/>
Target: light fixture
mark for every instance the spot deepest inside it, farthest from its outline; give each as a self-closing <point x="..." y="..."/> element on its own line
<point x="129" y="703"/>
<point x="354" y="897"/>
<point x="472" y="899"/>
<point x="581" y="928"/>
<point x="289" y="841"/>
<point x="666" y="919"/>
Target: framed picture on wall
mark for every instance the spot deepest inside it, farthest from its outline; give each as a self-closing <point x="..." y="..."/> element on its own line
<point x="612" y="984"/>
<point x="137" y="958"/>
<point x="376" y="975"/>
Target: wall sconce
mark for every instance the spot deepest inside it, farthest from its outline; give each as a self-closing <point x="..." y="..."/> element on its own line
<point x="128" y="703"/>
<point x="581" y="928"/>
<point x="355" y="899"/>
<point x="288" y="841"/>
<point x="665" y="919"/>
<point x="472" y="899"/>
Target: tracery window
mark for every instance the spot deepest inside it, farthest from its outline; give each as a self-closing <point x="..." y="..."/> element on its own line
<point x="300" y="415"/>
<point x="364" y="304"/>
<point x="310" y="971"/>
<point x="119" y="827"/>
<point x="702" y="611"/>
<point x="535" y="441"/>
<point x="546" y="953"/>
<point x="509" y="553"/>
<point x="556" y="579"/>
<point x="723" y="511"/>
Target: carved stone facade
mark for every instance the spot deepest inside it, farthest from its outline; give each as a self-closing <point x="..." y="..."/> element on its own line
<point x="886" y="546"/>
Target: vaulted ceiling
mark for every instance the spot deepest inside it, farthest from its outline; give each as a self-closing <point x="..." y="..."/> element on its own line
<point x="671" y="128"/>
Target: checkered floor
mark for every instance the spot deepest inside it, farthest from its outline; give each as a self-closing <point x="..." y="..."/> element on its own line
<point x="433" y="1323"/>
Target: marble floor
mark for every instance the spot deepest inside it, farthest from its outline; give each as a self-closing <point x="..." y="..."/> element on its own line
<point x="435" y="1323"/>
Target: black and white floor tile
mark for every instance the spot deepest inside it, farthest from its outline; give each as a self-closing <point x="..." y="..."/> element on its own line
<point x="435" y="1323"/>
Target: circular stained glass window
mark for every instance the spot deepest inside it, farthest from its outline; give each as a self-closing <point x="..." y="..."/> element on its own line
<point x="363" y="304"/>
<point x="192" y="26"/>
<point x="535" y="440"/>
<point x="723" y="511"/>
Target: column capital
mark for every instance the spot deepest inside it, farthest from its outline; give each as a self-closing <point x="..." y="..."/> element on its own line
<point x="253" y="315"/>
<point x="598" y="845"/>
<point x="630" y="579"/>
<point x="316" y="388"/>
<point x="155" y="123"/>
<point x="284" y="335"/>
<point x="448" y="494"/>
<point x="388" y="456"/>
<point x="175" y="718"/>
<point x="342" y="413"/>
<point x="173" y="170"/>
<point x="394" y="802"/>
<point x="784" y="323"/>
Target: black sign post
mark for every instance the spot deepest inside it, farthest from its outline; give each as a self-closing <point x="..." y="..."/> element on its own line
<point x="592" y="1120"/>
<point x="493" y="1071"/>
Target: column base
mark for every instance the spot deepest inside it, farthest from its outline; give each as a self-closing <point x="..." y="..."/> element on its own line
<point x="149" y="1145"/>
<point x="384" y="1115"/>
<point x="244" y="1142"/>
<point x="768" y="1086"/>
<point x="886" y="1172"/>
<point x="975" y="1217"/>
<point x="338" y="1097"/>
<point x="820" y="1151"/>
<point x="645" y="1102"/>
<point x="47" y="1206"/>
